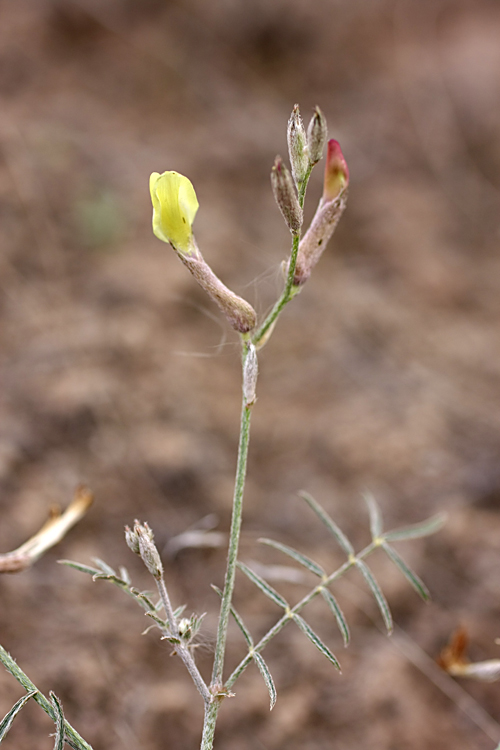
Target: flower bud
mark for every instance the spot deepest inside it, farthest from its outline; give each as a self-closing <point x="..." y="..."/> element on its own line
<point x="174" y="207"/>
<point x="147" y="549"/>
<point x="336" y="172"/>
<point x="132" y="540"/>
<point x="317" y="133"/>
<point x="184" y="628"/>
<point x="297" y="146"/>
<point x="286" y="196"/>
<point x="327" y="216"/>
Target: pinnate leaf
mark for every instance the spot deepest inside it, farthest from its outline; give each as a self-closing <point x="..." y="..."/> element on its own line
<point x="332" y="527"/>
<point x="307" y="630"/>
<point x="377" y="593"/>
<point x="9" y="717"/>
<point x="263" y="586"/>
<point x="238" y="621"/>
<point x="58" y="711"/>
<point x="375" y="515"/>
<point x="339" y="615"/>
<point x="105" y="568"/>
<point x="81" y="568"/>
<point x="408" y="573"/>
<point x="295" y="555"/>
<point x="266" y="674"/>
<point x="416" y="530"/>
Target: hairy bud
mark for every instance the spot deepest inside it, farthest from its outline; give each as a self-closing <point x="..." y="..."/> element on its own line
<point x="286" y="196"/>
<point x="317" y="133"/>
<point x="297" y="146"/>
<point x="132" y="540"/>
<point x="147" y="549"/>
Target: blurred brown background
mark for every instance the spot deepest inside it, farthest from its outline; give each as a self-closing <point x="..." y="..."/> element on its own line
<point x="383" y="374"/>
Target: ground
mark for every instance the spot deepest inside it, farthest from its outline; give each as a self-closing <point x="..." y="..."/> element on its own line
<point x="383" y="375"/>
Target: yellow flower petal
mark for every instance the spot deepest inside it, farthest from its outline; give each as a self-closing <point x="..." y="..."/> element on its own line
<point x="174" y="207"/>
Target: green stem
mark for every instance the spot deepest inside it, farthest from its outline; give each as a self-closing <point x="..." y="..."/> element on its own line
<point x="72" y="737"/>
<point x="289" y="291"/>
<point x="234" y="539"/>
<point x="280" y="624"/>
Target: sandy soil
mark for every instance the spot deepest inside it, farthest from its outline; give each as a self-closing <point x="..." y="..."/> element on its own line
<point x="384" y="374"/>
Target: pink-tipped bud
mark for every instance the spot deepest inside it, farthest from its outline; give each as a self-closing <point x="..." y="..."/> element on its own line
<point x="336" y="172"/>
<point x="327" y="216"/>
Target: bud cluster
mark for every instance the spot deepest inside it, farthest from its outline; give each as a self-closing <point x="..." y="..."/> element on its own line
<point x="305" y="149"/>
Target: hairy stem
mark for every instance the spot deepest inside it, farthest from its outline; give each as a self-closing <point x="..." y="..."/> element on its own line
<point x="234" y="538"/>
<point x="72" y="737"/>
<point x="182" y="650"/>
<point x="216" y="687"/>
<point x="190" y="664"/>
<point x="211" y="712"/>
<point x="167" y="605"/>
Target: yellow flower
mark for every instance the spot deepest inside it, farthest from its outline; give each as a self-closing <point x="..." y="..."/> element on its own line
<point x="174" y="207"/>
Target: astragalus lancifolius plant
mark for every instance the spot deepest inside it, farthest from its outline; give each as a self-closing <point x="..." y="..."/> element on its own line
<point x="174" y="209"/>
